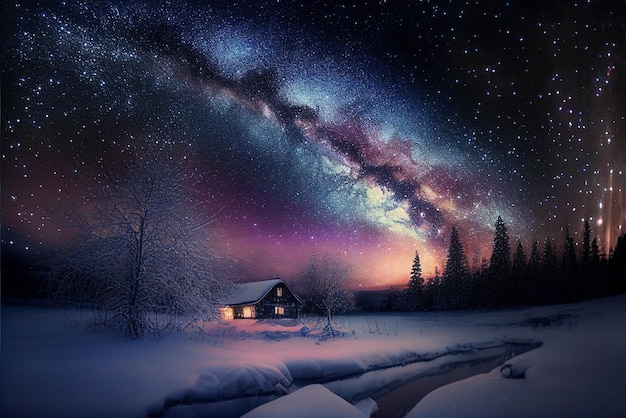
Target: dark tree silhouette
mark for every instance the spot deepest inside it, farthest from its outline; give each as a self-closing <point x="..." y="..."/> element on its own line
<point x="416" y="286"/>
<point x="549" y="286"/>
<point x="586" y="251"/>
<point x="543" y="278"/>
<point x="535" y="273"/>
<point x="617" y="266"/>
<point x="499" y="289"/>
<point x="520" y="278"/>
<point x="456" y="277"/>
<point x="569" y="278"/>
<point x="595" y="254"/>
<point x="597" y="279"/>
<point x="435" y="292"/>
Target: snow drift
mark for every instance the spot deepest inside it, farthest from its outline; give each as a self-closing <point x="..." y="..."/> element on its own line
<point x="53" y="367"/>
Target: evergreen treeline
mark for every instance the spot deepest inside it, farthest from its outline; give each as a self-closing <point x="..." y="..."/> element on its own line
<point x="516" y="276"/>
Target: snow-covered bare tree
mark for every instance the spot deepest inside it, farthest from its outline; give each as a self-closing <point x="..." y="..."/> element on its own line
<point x="141" y="256"/>
<point x="324" y="280"/>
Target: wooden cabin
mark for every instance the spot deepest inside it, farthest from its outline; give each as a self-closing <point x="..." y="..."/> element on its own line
<point x="261" y="300"/>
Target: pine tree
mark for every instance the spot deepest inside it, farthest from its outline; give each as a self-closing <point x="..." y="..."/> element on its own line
<point x="549" y="285"/>
<point x="535" y="272"/>
<point x="499" y="278"/>
<point x="617" y="266"/>
<point x="569" y="261"/>
<point x="597" y="272"/>
<point x="586" y="254"/>
<point x="416" y="285"/>
<point x="534" y="261"/>
<point x="595" y="255"/>
<point x="569" y="283"/>
<point x="436" y="291"/>
<point x="456" y="275"/>
<point x="519" y="276"/>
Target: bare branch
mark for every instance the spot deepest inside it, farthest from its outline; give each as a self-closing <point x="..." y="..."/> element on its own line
<point x="141" y="253"/>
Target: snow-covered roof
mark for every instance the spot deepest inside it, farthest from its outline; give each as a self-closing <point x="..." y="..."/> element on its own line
<point x="249" y="293"/>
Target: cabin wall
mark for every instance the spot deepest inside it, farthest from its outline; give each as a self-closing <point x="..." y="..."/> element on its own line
<point x="279" y="302"/>
<point x="280" y="296"/>
<point x="245" y="312"/>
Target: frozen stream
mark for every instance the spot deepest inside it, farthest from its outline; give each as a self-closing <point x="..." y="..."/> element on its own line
<point x="399" y="401"/>
<point x="396" y="389"/>
<point x="51" y="367"/>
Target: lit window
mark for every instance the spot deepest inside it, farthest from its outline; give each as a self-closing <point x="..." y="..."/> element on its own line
<point x="227" y="313"/>
<point x="248" y="312"/>
<point x="279" y="310"/>
<point x="279" y="291"/>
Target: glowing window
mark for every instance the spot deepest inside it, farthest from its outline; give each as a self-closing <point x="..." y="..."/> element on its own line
<point x="227" y="313"/>
<point x="248" y="311"/>
<point x="279" y="310"/>
<point x="279" y="291"/>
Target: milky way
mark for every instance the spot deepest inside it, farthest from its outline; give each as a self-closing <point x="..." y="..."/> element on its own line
<point x="363" y="129"/>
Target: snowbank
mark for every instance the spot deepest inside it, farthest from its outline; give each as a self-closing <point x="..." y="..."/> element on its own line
<point x="578" y="372"/>
<point x="312" y="401"/>
<point x="232" y="380"/>
<point x="52" y="367"/>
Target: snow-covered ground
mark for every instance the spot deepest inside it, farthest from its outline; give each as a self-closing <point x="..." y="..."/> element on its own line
<point x="578" y="372"/>
<point x="51" y="366"/>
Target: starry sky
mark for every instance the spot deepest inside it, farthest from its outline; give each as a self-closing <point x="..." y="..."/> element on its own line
<point x="363" y="129"/>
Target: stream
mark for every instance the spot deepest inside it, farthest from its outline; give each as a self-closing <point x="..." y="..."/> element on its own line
<point x="399" y="401"/>
<point x="397" y="389"/>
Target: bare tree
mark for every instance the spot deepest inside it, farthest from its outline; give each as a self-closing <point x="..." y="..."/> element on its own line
<point x="141" y="256"/>
<point x="324" y="278"/>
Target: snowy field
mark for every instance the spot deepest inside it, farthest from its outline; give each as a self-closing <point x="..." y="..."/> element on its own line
<point x="52" y="367"/>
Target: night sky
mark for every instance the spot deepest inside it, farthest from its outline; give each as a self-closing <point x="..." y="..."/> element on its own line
<point x="365" y="129"/>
